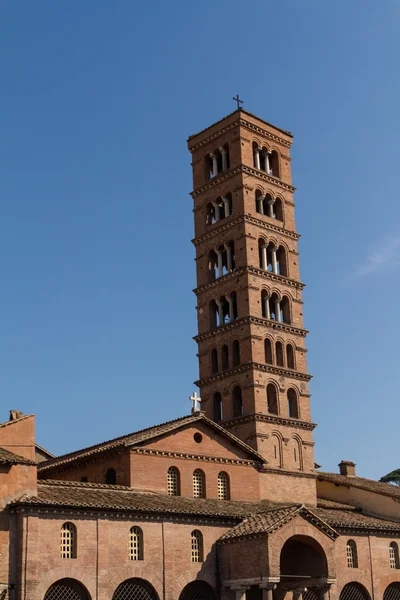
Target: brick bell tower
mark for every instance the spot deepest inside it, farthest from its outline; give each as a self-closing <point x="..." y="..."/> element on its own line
<point x="251" y="339"/>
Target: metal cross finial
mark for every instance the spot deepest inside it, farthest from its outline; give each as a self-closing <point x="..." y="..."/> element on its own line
<point x="196" y="403"/>
<point x="237" y="99"/>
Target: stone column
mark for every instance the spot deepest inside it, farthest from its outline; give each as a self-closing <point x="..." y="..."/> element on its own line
<point x="240" y="592"/>
<point x="266" y="307"/>
<point x="257" y="157"/>
<point x="271" y="208"/>
<point x="219" y="257"/>
<point x="260" y="201"/>
<point x="216" y="210"/>
<point x="224" y="155"/>
<point x="226" y="205"/>
<point x="264" y="261"/>
<point x="323" y="593"/>
<point x="267" y="167"/>
<point x="274" y="250"/>
<point x="220" y="312"/>
<point x="228" y="257"/>
<point x="277" y="310"/>
<point x="215" y="165"/>
<point x="267" y="591"/>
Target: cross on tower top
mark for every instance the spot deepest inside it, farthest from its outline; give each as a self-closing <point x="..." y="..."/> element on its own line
<point x="196" y="403"/>
<point x="237" y="99"/>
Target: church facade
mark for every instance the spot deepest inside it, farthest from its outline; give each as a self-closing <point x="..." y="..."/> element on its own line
<point x="226" y="503"/>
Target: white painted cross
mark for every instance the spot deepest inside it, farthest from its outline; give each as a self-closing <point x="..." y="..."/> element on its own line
<point x="196" y="403"/>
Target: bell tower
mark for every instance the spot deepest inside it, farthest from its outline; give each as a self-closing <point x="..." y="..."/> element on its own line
<point x="251" y="338"/>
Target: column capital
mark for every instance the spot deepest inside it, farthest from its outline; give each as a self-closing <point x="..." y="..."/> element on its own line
<point x="222" y="150"/>
<point x="271" y="200"/>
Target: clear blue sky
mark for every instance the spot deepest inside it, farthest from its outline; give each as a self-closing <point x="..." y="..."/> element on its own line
<point x="97" y="101"/>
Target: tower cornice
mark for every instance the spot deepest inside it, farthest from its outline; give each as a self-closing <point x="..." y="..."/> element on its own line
<point x="278" y="420"/>
<point x="269" y="276"/>
<point x="242" y="169"/>
<point x="251" y="366"/>
<point x="251" y="320"/>
<point x="244" y="219"/>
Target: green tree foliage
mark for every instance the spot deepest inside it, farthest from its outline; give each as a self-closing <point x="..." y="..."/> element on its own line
<point x="392" y="477"/>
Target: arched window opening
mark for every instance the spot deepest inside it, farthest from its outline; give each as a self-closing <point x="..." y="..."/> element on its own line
<point x="233" y="314"/>
<point x="356" y="591"/>
<point x="111" y="476"/>
<point x="394" y="556"/>
<point x="68" y="541"/>
<point x="135" y="589"/>
<point x="265" y="304"/>
<point x="197" y="546"/>
<point x="278" y="210"/>
<point x="66" y="589"/>
<point x="351" y="552"/>
<point x="135" y="543"/>
<point x="272" y="399"/>
<point x="274" y="308"/>
<point x="262" y="253"/>
<point x="290" y="356"/>
<point x="274" y="164"/>
<point x="217" y="407"/>
<point x="276" y="459"/>
<point x="214" y="315"/>
<point x="173" y="482"/>
<point x="199" y="484"/>
<point x="225" y="357"/>
<point x="212" y="266"/>
<point x="392" y="592"/>
<point x="209" y="164"/>
<point x="284" y="310"/>
<point x="268" y="351"/>
<point x="237" y="402"/>
<point x="223" y="486"/>
<point x="197" y="590"/>
<point x="256" y="156"/>
<point x="264" y="160"/>
<point x="281" y="262"/>
<point x="235" y="353"/>
<point x="279" y="354"/>
<point x="302" y="557"/>
<point x="293" y="406"/>
<point x="214" y="361"/>
<point x="210" y="214"/>
<point x="259" y="202"/>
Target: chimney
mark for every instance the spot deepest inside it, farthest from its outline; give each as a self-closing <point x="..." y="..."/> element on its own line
<point x="15" y="414"/>
<point x="347" y="468"/>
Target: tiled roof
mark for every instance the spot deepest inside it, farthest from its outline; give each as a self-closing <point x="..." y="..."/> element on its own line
<point x="355" y="519"/>
<point x="270" y="520"/>
<point x="123" y="499"/>
<point x="138" y="437"/>
<point x="386" y="489"/>
<point x="9" y="458"/>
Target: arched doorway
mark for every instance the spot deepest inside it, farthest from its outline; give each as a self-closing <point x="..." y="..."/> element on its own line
<point x="135" y="589"/>
<point x="197" y="590"/>
<point x="302" y="556"/>
<point x="67" y="589"/>
<point x="392" y="592"/>
<point x="354" y="591"/>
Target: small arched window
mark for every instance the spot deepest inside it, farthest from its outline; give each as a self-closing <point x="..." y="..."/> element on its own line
<point x="237" y="403"/>
<point x="225" y="357"/>
<point x="290" y="356"/>
<point x="135" y="543"/>
<point x="199" y="484"/>
<point x="272" y="399"/>
<point x="197" y="546"/>
<point x="173" y="482"/>
<point x="279" y="354"/>
<point x="223" y="486"/>
<point x="217" y="407"/>
<point x="351" y="552"/>
<point x="235" y="353"/>
<point x="285" y="310"/>
<point x="214" y="361"/>
<point x="68" y="541"/>
<point x="293" y="406"/>
<point x="268" y="351"/>
<point x="394" y="556"/>
<point x="214" y="315"/>
<point x="111" y="476"/>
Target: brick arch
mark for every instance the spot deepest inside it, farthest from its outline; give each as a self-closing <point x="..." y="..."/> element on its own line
<point x="65" y="572"/>
<point x="132" y="571"/>
<point x="187" y="577"/>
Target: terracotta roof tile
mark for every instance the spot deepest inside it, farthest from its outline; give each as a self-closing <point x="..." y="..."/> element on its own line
<point x="355" y="519"/>
<point x="386" y="489"/>
<point x="143" y="435"/>
<point x="9" y="458"/>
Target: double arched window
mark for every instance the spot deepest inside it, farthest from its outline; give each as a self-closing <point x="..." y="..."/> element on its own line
<point x="197" y="546"/>
<point x="135" y="543"/>
<point x="68" y="541"/>
<point x="223" y="486"/>
<point x="223" y="310"/>
<point x="394" y="556"/>
<point x="272" y="258"/>
<point x="173" y="481"/>
<point x="221" y="260"/>
<point x="217" y="162"/>
<point x="351" y="553"/>
<point x="269" y="206"/>
<point x="273" y="401"/>
<point x="275" y="308"/>
<point x="199" y="484"/>
<point x="218" y="210"/>
<point x="266" y="160"/>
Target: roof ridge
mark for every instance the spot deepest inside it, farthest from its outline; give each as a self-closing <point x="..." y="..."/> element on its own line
<point x="15" y="420"/>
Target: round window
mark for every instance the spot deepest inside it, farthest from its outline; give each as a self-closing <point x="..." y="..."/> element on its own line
<point x="198" y="437"/>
